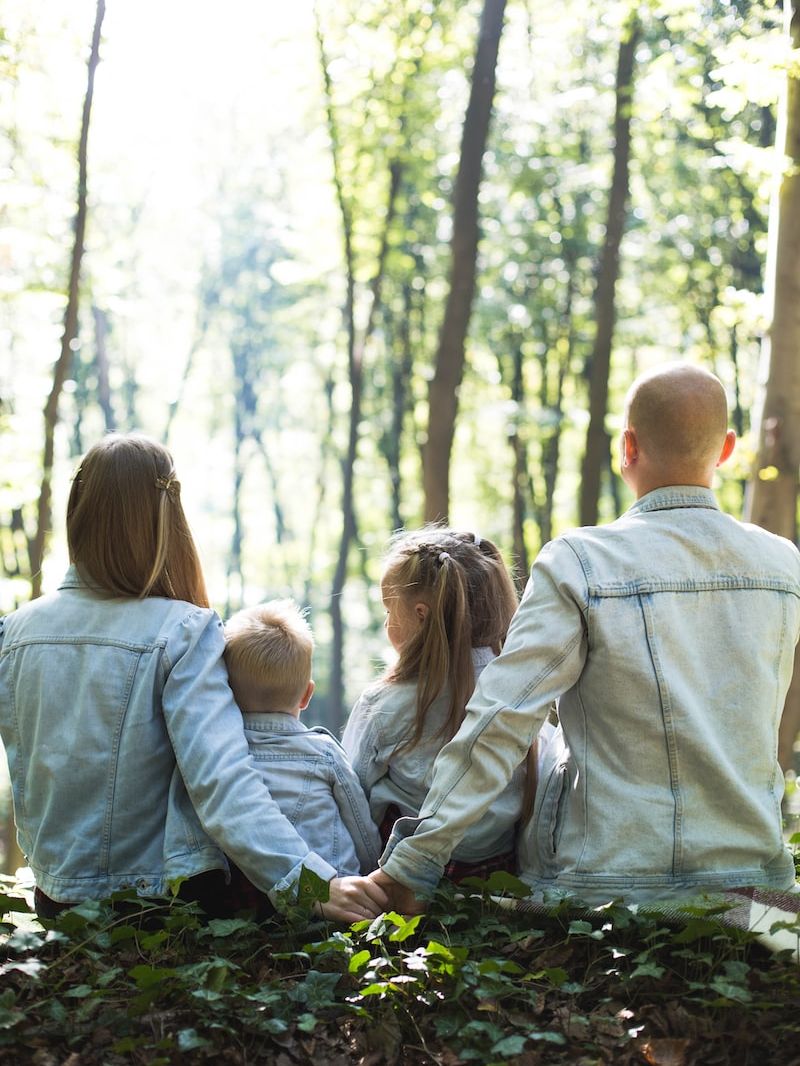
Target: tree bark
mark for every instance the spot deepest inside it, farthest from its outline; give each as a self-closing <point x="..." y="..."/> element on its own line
<point x="597" y="440"/>
<point x="44" y="511"/>
<point x="449" y="363"/>
<point x="772" y="498"/>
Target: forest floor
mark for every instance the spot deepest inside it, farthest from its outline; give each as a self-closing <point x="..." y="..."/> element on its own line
<point x="467" y="983"/>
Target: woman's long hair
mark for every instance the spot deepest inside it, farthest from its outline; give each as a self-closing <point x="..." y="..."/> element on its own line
<point x="125" y="524"/>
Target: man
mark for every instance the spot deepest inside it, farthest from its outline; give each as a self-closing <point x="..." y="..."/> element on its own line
<point x="668" y="638"/>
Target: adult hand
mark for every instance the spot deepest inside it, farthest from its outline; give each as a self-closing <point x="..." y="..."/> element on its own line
<point x="402" y="899"/>
<point x="352" y="899"/>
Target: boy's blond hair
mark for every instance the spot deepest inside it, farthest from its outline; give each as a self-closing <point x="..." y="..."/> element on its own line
<point x="268" y="651"/>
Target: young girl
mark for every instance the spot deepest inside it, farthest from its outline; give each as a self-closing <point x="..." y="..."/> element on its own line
<point x="128" y="760"/>
<point x="449" y="600"/>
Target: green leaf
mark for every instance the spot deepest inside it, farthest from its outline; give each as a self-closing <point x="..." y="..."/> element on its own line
<point x="25" y="940"/>
<point x="509" y="1045"/>
<point x="405" y="927"/>
<point x="78" y="992"/>
<point x="30" y="967"/>
<point x="696" y="929"/>
<point x="149" y="976"/>
<point x="580" y="928"/>
<point x="311" y="888"/>
<point x="359" y="961"/>
<point x="307" y="1023"/>
<point x="222" y="927"/>
<point x="555" y="975"/>
<point x="648" y="969"/>
<point x="13" y="904"/>
<point x="191" y="1040"/>
<point x="317" y="990"/>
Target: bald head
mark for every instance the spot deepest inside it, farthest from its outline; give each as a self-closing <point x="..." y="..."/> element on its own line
<point x="679" y="415"/>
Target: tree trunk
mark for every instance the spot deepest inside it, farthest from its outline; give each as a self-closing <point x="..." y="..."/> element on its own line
<point x="772" y="499"/>
<point x="356" y="346"/>
<point x="101" y="362"/>
<point x="44" y="511"/>
<point x="597" y="440"/>
<point x="449" y="363"/>
<point x="520" y="473"/>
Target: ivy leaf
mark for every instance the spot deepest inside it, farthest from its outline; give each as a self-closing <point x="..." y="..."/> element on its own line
<point x="147" y="977"/>
<point x="317" y="990"/>
<point x="191" y="1040"/>
<point x="359" y="961"/>
<point x="311" y="888"/>
<point x="13" y="904"/>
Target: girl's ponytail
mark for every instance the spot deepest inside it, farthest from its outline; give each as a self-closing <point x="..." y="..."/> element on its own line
<point x="470" y="599"/>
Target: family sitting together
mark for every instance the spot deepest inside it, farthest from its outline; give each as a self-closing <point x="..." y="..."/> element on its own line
<point x="613" y="736"/>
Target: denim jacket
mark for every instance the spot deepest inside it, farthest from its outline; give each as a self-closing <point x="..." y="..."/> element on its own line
<point x="381" y="719"/>
<point x="669" y="636"/>
<point x="128" y="760"/>
<point x="310" y="777"/>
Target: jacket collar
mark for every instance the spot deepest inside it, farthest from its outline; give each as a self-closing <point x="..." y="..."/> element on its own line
<point x="274" y="722"/>
<point x="672" y="496"/>
<point x="76" y="579"/>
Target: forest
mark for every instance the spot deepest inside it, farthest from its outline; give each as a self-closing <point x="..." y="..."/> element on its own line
<point x="367" y="264"/>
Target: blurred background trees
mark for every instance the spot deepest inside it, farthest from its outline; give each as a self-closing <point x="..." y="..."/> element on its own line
<point x="281" y="209"/>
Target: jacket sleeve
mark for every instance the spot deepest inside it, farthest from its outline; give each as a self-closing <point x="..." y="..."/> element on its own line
<point x="364" y="744"/>
<point x="354" y="809"/>
<point x="543" y="657"/>
<point x="207" y="735"/>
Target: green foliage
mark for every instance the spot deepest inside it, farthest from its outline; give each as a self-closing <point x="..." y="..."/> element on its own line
<point x="121" y="982"/>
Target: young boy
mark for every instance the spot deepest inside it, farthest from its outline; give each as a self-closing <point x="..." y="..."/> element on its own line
<point x="268" y="652"/>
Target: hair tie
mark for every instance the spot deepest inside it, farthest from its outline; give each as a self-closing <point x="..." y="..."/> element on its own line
<point x="444" y="556"/>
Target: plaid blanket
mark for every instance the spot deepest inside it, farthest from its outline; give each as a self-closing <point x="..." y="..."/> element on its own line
<point x="772" y="915"/>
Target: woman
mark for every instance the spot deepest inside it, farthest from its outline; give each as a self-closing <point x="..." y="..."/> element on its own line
<point x="128" y="761"/>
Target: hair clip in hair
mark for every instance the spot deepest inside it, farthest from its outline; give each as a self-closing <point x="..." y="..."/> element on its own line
<point x="477" y="539"/>
<point x="169" y="484"/>
<point x="444" y="556"/>
<point x="76" y="473"/>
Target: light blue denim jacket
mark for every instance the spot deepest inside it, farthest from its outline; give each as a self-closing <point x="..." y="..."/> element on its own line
<point x="669" y="636"/>
<point x="128" y="760"/>
<point x="382" y="718"/>
<point x="310" y="777"/>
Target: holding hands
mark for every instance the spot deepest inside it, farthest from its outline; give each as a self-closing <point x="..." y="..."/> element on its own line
<point x="352" y="899"/>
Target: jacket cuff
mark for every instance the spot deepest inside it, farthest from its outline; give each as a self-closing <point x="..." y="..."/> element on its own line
<point x="417" y="872"/>
<point x="287" y="886"/>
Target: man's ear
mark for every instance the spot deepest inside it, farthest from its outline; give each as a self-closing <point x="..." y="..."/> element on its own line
<point x="309" y="692"/>
<point x="628" y="448"/>
<point x="421" y="612"/>
<point x="727" y="447"/>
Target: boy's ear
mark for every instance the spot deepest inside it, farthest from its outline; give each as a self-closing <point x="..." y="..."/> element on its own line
<point x="309" y="692"/>
<point x="421" y="611"/>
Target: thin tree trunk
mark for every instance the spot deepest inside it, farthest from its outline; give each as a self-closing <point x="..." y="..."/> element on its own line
<point x="597" y="440"/>
<point x="449" y="363"/>
<point x="356" y="346"/>
<point x="234" y="568"/>
<point x="772" y="499"/>
<point x="101" y="362"/>
<point x="520" y="474"/>
<point x="44" y="510"/>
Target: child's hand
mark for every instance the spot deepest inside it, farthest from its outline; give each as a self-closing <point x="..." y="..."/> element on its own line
<point x="402" y="899"/>
<point x="352" y="899"/>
